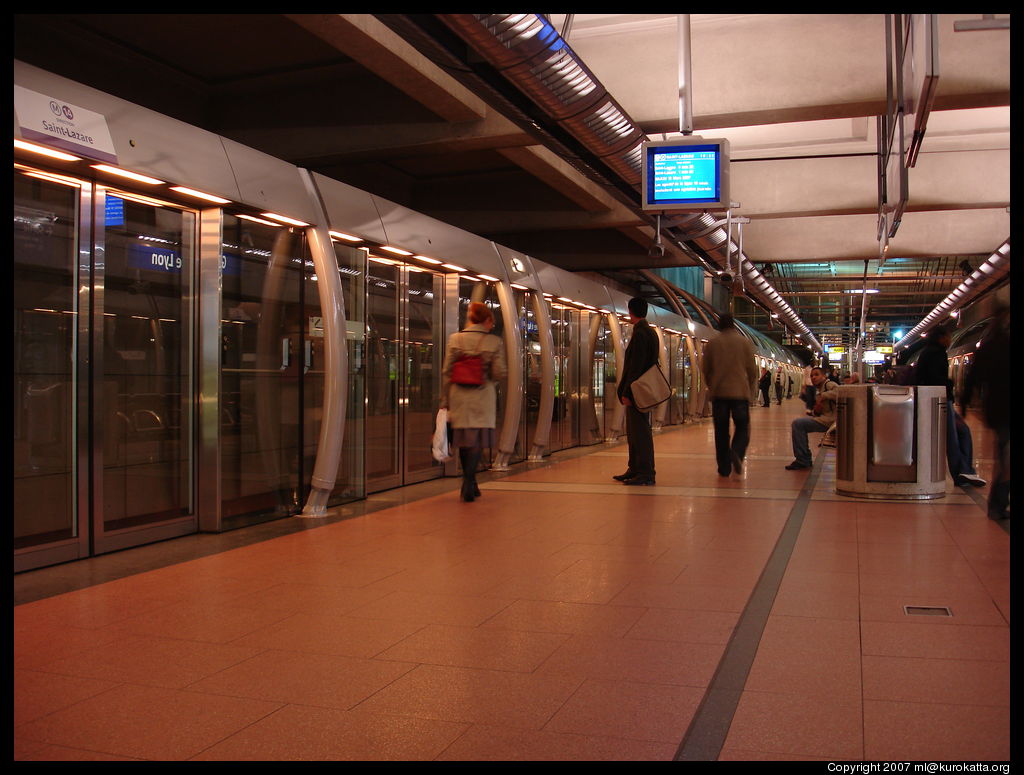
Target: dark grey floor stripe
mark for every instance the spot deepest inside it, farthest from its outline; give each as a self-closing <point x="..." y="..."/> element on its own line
<point x="707" y="732"/>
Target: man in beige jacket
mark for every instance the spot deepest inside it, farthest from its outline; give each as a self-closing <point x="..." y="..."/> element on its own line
<point x="731" y="375"/>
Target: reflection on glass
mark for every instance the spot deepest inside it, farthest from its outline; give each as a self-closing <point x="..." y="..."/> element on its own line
<point x="352" y="266"/>
<point x="145" y="393"/>
<point x="565" y="420"/>
<point x="382" y="372"/>
<point x="533" y="379"/>
<point x="45" y="321"/>
<point x="423" y="359"/>
<point x="263" y="361"/>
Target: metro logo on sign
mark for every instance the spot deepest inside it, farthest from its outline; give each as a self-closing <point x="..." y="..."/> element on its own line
<point x="54" y="122"/>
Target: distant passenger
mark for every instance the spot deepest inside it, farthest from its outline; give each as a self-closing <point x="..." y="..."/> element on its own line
<point x="731" y="377"/>
<point x="820" y="418"/>
<point x="807" y="389"/>
<point x="778" y="388"/>
<point x="473" y="362"/>
<point x="641" y="354"/>
<point x="789" y="390"/>
<point x="763" y="385"/>
<point x="933" y="369"/>
<point x="988" y="376"/>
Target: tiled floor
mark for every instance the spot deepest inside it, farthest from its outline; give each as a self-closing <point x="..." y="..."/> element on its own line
<point x="560" y="617"/>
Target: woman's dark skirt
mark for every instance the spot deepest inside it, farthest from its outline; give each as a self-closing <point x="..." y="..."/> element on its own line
<point x="467" y="438"/>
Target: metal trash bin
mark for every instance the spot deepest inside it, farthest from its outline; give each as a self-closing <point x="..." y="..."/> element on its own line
<point x="891" y="442"/>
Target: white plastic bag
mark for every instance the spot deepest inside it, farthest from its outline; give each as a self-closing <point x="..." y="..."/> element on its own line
<point x="440" y="446"/>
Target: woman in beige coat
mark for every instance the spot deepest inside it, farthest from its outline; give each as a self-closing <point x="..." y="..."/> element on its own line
<point x="472" y="409"/>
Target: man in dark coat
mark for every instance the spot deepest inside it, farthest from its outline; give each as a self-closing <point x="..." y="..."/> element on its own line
<point x="989" y="375"/>
<point x="763" y="384"/>
<point x="641" y="354"/>
<point x="933" y="369"/>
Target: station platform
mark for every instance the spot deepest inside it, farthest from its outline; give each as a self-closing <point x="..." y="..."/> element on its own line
<point x="562" y="616"/>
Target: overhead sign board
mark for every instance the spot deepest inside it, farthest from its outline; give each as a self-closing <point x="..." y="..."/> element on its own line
<point x="686" y="174"/>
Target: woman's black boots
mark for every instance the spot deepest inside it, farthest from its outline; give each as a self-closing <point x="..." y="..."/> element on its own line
<point x="470" y="459"/>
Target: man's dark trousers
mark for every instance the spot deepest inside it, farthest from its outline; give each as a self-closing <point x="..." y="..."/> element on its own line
<point x="739" y="409"/>
<point x="641" y="442"/>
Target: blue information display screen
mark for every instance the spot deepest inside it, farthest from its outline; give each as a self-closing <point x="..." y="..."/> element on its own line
<point x="685" y="175"/>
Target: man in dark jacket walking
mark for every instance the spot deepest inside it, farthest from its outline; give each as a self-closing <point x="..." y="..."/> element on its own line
<point x="641" y="354"/>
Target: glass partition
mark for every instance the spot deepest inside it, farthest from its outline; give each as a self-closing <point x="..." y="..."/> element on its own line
<point x="45" y="311"/>
<point x="146" y="395"/>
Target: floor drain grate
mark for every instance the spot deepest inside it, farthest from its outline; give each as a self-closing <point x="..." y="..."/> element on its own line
<point x="926" y="610"/>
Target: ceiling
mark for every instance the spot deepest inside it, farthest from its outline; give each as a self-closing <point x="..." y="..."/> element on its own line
<point x="402" y="107"/>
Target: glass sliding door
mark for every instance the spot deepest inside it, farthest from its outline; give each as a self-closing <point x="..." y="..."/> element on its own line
<point x="383" y="430"/>
<point x="565" y="420"/>
<point x="423" y="358"/>
<point x="402" y="365"/>
<point x="45" y="316"/>
<point x="350" y="484"/>
<point x="266" y="352"/>
<point x="145" y="392"/>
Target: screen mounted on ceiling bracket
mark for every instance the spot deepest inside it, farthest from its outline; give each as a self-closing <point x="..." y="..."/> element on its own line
<point x="686" y="174"/>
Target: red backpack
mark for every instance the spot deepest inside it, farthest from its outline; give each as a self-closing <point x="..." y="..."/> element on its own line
<point x="468" y="370"/>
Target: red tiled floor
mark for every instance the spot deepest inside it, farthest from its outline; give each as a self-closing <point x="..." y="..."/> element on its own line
<point x="485" y="648"/>
<point x="568" y="618"/>
<point x="299" y="733"/>
<point x="490" y="743"/>
<point x="935" y="641"/>
<point x="958" y="681"/>
<point x="494" y="697"/>
<point x="930" y="731"/>
<point x="328" y="680"/>
<point x="653" y="712"/>
<point x="146" y="722"/>
<point x="804" y="725"/>
<point x="560" y="617"/>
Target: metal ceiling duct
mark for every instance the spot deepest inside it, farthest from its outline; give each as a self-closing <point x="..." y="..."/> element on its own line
<point x="994" y="271"/>
<point x="531" y="55"/>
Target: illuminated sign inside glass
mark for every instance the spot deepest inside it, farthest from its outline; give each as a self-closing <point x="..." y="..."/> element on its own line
<point x="114" y="211"/>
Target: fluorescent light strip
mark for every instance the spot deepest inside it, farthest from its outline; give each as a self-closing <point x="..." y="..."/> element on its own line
<point x="520" y="287"/>
<point x="145" y="200"/>
<point x="200" y="195"/>
<point x="399" y="251"/>
<point x="284" y="219"/>
<point x="54" y="178"/>
<point x="254" y="219"/>
<point x="455" y="267"/>
<point x="427" y="259"/>
<point x="128" y="174"/>
<point x="44" y="151"/>
<point x="342" y="235"/>
<point x="491" y="279"/>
